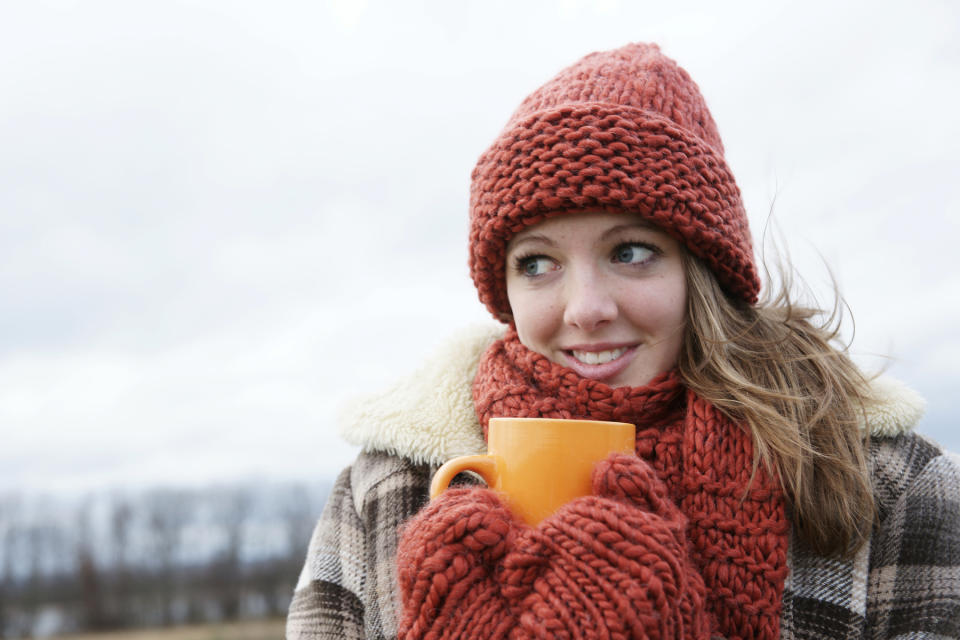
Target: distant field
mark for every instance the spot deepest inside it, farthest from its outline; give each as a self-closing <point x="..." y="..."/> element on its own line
<point x="252" y="630"/>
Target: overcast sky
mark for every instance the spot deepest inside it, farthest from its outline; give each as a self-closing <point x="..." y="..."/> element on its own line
<point x="220" y="219"/>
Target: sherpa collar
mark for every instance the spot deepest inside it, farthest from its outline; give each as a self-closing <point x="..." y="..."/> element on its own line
<point x="428" y="416"/>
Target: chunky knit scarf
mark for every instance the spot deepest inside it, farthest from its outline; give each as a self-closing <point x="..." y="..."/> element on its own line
<point x="682" y="541"/>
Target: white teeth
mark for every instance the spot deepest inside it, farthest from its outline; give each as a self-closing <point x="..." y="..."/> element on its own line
<point x="599" y="357"/>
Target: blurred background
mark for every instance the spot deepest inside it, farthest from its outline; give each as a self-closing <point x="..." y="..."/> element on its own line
<point x="220" y="219"/>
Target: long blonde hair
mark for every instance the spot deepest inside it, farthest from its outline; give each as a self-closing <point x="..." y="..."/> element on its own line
<point x="777" y="368"/>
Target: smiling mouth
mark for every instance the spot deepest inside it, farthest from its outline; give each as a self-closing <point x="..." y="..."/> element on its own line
<point x="598" y="357"/>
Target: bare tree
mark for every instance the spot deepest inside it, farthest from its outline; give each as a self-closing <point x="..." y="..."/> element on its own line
<point x="167" y="513"/>
<point x="8" y="514"/>
<point x="121" y="521"/>
<point x="231" y="510"/>
<point x="89" y="574"/>
<point x="298" y="514"/>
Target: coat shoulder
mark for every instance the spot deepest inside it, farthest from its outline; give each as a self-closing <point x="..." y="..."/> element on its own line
<point x="899" y="462"/>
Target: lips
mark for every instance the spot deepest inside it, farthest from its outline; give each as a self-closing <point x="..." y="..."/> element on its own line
<point x="602" y="362"/>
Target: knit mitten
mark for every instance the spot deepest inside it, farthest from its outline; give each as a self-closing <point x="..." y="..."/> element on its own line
<point x="447" y="559"/>
<point x="611" y="565"/>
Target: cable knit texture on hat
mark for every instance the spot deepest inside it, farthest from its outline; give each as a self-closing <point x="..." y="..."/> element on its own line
<point x="679" y="541"/>
<point x="623" y="130"/>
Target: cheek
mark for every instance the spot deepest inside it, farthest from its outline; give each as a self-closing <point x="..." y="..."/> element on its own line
<point x="661" y="307"/>
<point x="535" y="315"/>
<point x="675" y="305"/>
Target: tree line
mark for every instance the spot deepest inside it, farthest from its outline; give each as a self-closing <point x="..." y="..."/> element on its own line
<point x="153" y="557"/>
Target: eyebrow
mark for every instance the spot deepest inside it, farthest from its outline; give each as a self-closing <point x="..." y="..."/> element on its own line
<point x="534" y="238"/>
<point x="612" y="231"/>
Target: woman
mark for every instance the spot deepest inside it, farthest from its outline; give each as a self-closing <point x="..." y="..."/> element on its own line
<point x="776" y="491"/>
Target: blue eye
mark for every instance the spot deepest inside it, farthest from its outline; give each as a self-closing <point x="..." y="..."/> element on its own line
<point x="534" y="265"/>
<point x="633" y="253"/>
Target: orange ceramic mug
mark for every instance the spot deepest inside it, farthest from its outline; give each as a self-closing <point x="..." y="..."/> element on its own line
<point x="540" y="464"/>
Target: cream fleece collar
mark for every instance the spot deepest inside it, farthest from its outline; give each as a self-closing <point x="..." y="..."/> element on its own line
<point x="428" y="417"/>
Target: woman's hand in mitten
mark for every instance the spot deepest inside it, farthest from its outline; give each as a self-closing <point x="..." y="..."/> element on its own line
<point x="612" y="564"/>
<point x="609" y="565"/>
<point x="447" y="558"/>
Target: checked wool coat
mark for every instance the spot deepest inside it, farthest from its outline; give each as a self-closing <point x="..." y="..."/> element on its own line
<point x="905" y="583"/>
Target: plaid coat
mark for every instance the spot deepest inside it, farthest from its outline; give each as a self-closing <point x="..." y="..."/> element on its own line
<point x="905" y="583"/>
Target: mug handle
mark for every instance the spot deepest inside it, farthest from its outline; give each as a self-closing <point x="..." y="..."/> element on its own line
<point x="483" y="465"/>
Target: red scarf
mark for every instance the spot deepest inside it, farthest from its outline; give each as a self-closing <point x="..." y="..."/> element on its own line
<point x="736" y="530"/>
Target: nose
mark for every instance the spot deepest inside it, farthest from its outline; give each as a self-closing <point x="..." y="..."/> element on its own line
<point x="589" y="303"/>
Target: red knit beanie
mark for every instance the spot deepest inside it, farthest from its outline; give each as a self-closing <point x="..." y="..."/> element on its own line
<point x="624" y="131"/>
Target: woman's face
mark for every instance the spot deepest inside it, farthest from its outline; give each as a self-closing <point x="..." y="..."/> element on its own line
<point x="601" y="293"/>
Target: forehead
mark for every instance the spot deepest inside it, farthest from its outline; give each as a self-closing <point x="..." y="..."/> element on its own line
<point x="581" y="224"/>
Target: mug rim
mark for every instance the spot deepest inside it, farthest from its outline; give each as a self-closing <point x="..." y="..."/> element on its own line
<point x="501" y="419"/>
